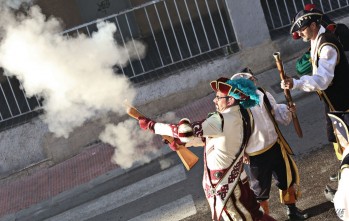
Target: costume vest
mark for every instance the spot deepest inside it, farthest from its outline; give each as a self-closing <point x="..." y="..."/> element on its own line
<point x="336" y="94"/>
<point x="218" y="194"/>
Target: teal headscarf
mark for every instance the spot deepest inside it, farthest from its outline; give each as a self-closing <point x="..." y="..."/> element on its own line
<point x="245" y="91"/>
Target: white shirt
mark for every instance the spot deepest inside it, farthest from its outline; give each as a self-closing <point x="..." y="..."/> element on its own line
<point x="264" y="133"/>
<point x="341" y="198"/>
<point x="322" y="75"/>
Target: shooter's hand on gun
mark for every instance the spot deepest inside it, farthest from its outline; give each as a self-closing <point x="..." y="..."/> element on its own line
<point x="146" y="123"/>
<point x="287" y="83"/>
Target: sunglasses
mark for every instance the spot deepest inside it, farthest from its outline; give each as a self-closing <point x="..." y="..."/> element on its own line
<point x="218" y="97"/>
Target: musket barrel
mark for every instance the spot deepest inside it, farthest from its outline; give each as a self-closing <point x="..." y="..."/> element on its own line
<point x="287" y="93"/>
<point x="188" y="158"/>
<point x="276" y="56"/>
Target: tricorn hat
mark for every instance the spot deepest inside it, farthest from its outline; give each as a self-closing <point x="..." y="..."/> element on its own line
<point x="305" y="18"/>
<point x="340" y="121"/>
<point x="241" y="89"/>
<point x="246" y="73"/>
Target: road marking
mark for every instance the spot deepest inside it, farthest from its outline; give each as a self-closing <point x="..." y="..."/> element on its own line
<point x="124" y="195"/>
<point x="174" y="211"/>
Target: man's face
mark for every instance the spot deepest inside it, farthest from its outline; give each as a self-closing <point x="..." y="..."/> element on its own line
<point x="308" y="33"/>
<point x="222" y="101"/>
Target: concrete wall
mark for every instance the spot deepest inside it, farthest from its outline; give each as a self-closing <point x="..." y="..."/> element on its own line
<point x="66" y="10"/>
<point x="32" y="143"/>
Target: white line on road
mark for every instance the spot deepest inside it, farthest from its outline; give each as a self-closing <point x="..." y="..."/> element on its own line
<point x="174" y="211"/>
<point x="124" y="195"/>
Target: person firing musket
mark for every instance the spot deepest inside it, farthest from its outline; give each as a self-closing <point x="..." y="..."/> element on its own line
<point x="224" y="135"/>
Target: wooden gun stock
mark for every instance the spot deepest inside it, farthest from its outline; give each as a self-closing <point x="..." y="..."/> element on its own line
<point x="189" y="159"/>
<point x="287" y="93"/>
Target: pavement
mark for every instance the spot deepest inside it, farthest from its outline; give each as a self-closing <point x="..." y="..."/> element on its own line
<point x="45" y="184"/>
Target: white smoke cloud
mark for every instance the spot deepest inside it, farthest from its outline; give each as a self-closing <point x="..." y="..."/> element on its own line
<point x="75" y="78"/>
<point x="133" y="144"/>
<point x="15" y="4"/>
<point x="73" y="75"/>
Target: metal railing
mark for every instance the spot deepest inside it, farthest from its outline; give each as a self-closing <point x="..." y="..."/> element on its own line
<point x="14" y="105"/>
<point x="279" y="13"/>
<point x="178" y="34"/>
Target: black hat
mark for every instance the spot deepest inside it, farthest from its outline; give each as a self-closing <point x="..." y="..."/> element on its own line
<point x="340" y="121"/>
<point x="246" y="73"/>
<point x="247" y="70"/>
<point x="305" y="18"/>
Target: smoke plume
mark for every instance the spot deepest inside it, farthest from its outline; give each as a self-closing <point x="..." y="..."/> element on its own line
<point x="73" y="75"/>
<point x="133" y="144"/>
<point x="15" y="4"/>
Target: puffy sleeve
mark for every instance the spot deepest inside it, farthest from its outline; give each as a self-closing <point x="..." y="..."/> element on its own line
<point x="324" y="74"/>
<point x="210" y="127"/>
<point x="281" y="113"/>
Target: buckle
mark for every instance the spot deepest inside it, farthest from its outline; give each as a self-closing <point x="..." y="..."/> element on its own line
<point x="218" y="174"/>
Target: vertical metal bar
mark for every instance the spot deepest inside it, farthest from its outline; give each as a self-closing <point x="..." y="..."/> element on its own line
<point x="295" y="6"/>
<point x="37" y="100"/>
<point x="123" y="41"/>
<point x="220" y="15"/>
<point x="192" y="25"/>
<point x="1" y="117"/>
<point x="203" y="26"/>
<point x="339" y="4"/>
<point x="214" y="28"/>
<point x="322" y="6"/>
<point x="13" y="94"/>
<point x="163" y="32"/>
<point x="119" y="67"/>
<point x="271" y="17"/>
<point x="88" y="31"/>
<point x="181" y="22"/>
<point x="174" y="33"/>
<point x="8" y="106"/>
<point x="277" y="7"/>
<point x="288" y="14"/>
<point x="133" y="42"/>
<point x="303" y="3"/>
<point x="152" y="32"/>
<point x="25" y="96"/>
<point x="329" y="2"/>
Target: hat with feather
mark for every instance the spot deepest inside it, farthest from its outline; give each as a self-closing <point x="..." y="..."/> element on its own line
<point x="240" y="89"/>
<point x="305" y="18"/>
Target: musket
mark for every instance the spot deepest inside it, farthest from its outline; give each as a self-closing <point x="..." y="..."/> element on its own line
<point x="287" y="93"/>
<point x="188" y="158"/>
